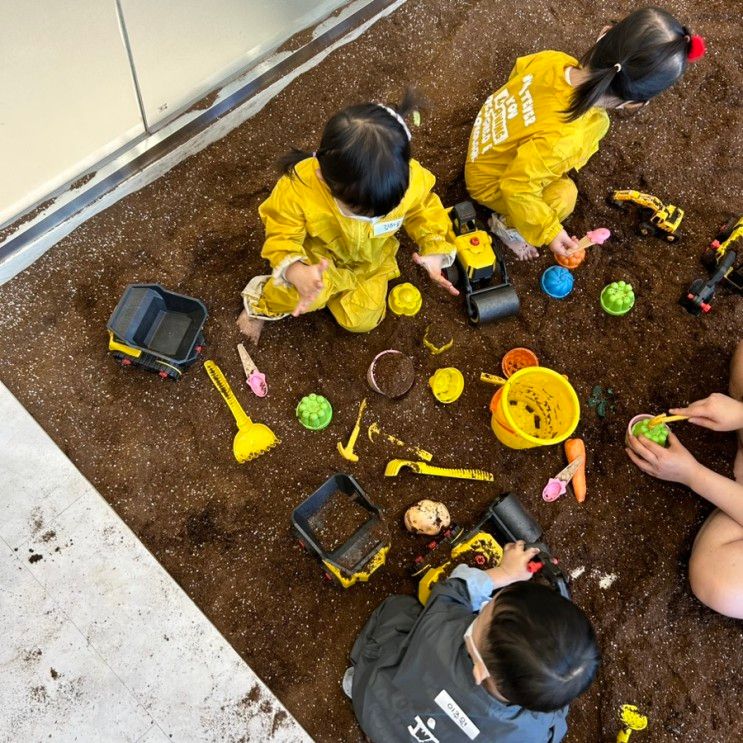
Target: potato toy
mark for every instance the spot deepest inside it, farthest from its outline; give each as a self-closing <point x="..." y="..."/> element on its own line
<point x="427" y="517"/>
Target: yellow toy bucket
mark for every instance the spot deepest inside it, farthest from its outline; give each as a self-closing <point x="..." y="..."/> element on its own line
<point x="535" y="407"/>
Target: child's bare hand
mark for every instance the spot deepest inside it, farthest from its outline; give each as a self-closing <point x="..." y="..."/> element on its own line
<point x="432" y="264"/>
<point x="718" y="412"/>
<point x="563" y="243"/>
<point x="674" y="463"/>
<point x="513" y="566"/>
<point x="308" y="282"/>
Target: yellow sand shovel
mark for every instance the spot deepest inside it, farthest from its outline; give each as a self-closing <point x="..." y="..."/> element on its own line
<point x="251" y="439"/>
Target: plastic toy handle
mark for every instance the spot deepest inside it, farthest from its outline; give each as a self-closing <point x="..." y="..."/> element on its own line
<point x="219" y="381"/>
<point x="257" y="383"/>
<point x="492" y="379"/>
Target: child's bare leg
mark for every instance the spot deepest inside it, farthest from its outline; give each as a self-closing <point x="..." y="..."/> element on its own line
<point x="736" y="391"/>
<point x="716" y="564"/>
<point x="512" y="239"/>
<point x="250" y="326"/>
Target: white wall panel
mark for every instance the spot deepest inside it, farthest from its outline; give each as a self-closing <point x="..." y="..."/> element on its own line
<point x="67" y="99"/>
<point x="183" y="48"/>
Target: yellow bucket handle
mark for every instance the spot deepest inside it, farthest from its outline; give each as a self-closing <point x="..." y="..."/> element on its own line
<point x="221" y="383"/>
<point x="493" y="379"/>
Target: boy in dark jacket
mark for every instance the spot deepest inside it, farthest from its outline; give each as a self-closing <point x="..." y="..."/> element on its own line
<point x="471" y="667"/>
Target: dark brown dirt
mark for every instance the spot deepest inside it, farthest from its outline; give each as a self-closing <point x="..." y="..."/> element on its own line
<point x="160" y="452"/>
<point x="337" y="521"/>
<point x="394" y="374"/>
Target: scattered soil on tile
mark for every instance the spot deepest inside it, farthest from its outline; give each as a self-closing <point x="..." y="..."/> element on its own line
<point x="161" y="452"/>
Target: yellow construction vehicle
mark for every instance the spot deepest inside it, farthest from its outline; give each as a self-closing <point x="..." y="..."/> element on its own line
<point x="479" y="271"/>
<point x="729" y="240"/>
<point x="654" y="217"/>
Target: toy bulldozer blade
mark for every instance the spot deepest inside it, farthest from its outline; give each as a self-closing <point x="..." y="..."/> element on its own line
<point x="474" y="270"/>
<point x="251" y="439"/>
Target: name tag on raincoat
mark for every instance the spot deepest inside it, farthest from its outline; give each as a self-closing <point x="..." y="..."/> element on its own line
<point x="383" y="228"/>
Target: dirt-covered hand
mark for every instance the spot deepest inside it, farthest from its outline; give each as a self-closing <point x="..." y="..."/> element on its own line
<point x="513" y="566"/>
<point x="308" y="282"/>
<point x="563" y="243"/>
<point x="674" y="463"/>
<point x="432" y="264"/>
<point x="718" y="412"/>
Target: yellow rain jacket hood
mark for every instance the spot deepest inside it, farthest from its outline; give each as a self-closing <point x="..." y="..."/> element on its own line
<point x="521" y="144"/>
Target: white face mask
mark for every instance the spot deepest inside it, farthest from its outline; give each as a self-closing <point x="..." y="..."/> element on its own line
<point x="350" y="215"/>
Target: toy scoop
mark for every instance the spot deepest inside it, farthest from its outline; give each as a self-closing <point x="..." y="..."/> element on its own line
<point x="558" y="485"/>
<point x="632" y="719"/>
<point x="256" y="380"/>
<point x="251" y="439"/>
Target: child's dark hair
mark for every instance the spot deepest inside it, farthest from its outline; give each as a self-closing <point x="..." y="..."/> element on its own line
<point x="540" y="648"/>
<point x="635" y="60"/>
<point x="364" y="156"/>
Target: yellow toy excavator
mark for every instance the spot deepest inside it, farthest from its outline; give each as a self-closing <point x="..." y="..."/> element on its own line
<point x="655" y="217"/>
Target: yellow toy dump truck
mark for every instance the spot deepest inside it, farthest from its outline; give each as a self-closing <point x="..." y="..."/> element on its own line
<point x="654" y="217"/>
<point x="354" y="557"/>
<point x="157" y="330"/>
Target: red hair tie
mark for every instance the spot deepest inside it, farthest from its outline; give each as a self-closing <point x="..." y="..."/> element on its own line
<point x="697" y="48"/>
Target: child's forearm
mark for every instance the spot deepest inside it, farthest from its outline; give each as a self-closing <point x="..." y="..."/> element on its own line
<point x="497" y="576"/>
<point x="721" y="491"/>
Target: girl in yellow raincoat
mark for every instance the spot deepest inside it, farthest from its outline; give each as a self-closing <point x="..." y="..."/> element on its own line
<point x="550" y="116"/>
<point x="331" y="222"/>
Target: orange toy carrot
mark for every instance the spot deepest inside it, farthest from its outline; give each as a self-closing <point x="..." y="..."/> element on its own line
<point x="575" y="448"/>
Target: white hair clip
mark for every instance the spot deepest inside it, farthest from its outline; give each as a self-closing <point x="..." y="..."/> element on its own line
<point x="392" y="112"/>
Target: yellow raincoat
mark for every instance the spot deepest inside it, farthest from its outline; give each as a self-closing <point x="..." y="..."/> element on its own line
<point x="521" y="147"/>
<point x="303" y="222"/>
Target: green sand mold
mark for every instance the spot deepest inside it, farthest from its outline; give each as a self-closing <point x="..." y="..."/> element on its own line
<point x="314" y="412"/>
<point x="617" y="298"/>
<point x="657" y="433"/>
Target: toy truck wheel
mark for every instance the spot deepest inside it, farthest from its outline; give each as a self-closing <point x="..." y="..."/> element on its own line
<point x="726" y="229"/>
<point x="645" y="229"/>
<point x="453" y="274"/>
<point x="493" y="305"/>
<point x="671" y="238"/>
<point x="515" y="520"/>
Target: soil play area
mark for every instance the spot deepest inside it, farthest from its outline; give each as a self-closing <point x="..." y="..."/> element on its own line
<point x="161" y="452"/>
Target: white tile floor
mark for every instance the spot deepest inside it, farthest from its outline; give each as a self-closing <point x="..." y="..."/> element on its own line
<point x="99" y="643"/>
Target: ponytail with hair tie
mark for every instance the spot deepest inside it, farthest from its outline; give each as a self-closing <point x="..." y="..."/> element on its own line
<point x="697" y="47"/>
